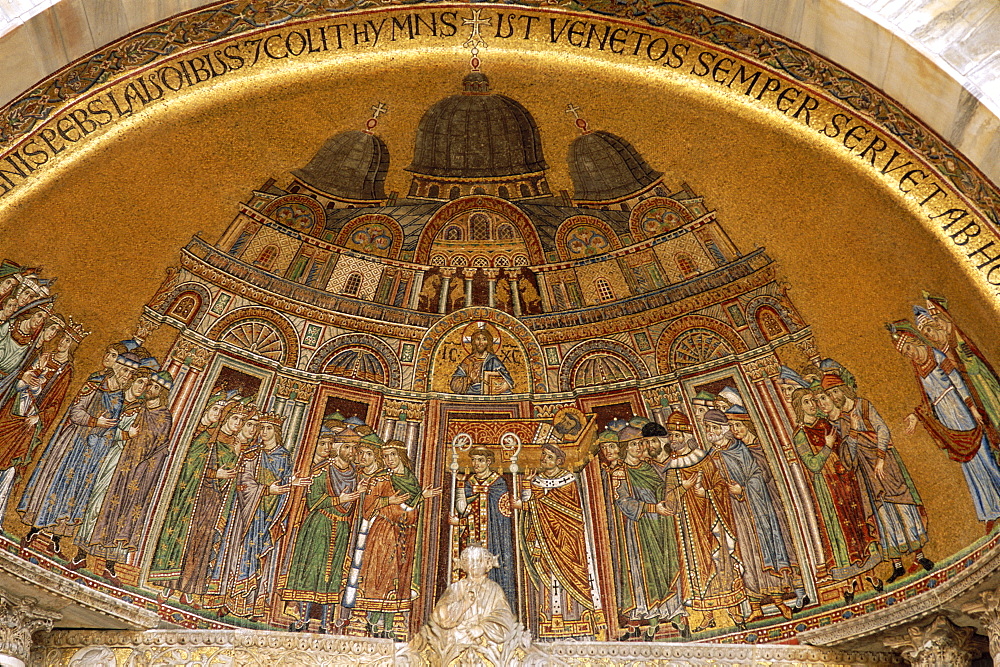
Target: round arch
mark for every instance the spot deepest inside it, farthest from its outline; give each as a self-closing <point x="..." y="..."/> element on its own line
<point x="512" y="213"/>
<point x="326" y="351"/>
<point x="204" y="302"/>
<point x="425" y="350"/>
<point x="672" y="333"/>
<point x="581" y="350"/>
<point x="282" y="326"/>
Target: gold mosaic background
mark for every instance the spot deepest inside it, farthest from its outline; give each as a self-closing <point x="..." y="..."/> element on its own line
<point x="855" y="255"/>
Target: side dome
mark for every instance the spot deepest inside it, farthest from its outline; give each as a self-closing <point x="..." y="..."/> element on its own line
<point x="351" y="165"/>
<point x="604" y="166"/>
<point x="477" y="134"/>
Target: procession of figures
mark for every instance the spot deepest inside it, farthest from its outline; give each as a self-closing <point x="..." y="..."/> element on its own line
<point x="611" y="527"/>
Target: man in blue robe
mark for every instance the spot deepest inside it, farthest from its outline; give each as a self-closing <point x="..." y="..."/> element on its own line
<point x="484" y="510"/>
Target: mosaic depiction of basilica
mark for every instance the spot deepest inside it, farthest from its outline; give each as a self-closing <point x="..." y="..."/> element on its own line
<point x="597" y="386"/>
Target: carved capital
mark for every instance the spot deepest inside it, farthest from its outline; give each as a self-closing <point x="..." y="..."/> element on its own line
<point x="190" y="353"/>
<point x="19" y="619"/>
<point x="986" y="609"/>
<point x="938" y="644"/>
<point x="145" y="328"/>
<point x="294" y="390"/>
<point x="808" y="347"/>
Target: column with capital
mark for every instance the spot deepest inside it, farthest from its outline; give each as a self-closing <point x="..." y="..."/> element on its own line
<point x="446" y="275"/>
<point x="20" y="618"/>
<point x="491" y="286"/>
<point x="939" y="643"/>
<point x="986" y="609"/>
<point x="415" y="289"/>
<point x="515" y="292"/>
<point x="467" y="274"/>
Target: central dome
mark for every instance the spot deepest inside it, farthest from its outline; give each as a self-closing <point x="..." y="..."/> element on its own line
<point x="477" y="134"/>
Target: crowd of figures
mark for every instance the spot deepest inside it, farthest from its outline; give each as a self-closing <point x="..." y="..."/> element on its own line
<point x="676" y="528"/>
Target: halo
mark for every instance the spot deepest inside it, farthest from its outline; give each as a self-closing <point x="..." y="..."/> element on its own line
<point x="473" y="327"/>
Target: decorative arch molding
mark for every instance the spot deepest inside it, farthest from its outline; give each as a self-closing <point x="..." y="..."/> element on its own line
<point x="385" y="353"/>
<point x="673" y="216"/>
<point x="345" y="237"/>
<point x="678" y="328"/>
<point x="280" y="322"/>
<point x="581" y="350"/>
<point x="573" y="222"/>
<point x="205" y="301"/>
<point x="457" y="207"/>
<point x="310" y="218"/>
<point x="774" y="303"/>
<point x="425" y="350"/>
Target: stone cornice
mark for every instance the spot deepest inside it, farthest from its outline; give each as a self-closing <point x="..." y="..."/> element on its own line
<point x="963" y="584"/>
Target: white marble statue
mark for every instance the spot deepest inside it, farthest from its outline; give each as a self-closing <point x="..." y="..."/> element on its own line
<point x="472" y="623"/>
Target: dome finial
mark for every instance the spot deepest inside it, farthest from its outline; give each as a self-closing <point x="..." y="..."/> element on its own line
<point x="579" y="122"/>
<point x="475" y="41"/>
<point x="377" y="110"/>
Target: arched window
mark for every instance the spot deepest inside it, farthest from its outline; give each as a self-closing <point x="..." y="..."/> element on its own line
<point x="265" y="258"/>
<point x="183" y="307"/>
<point x="604" y="291"/>
<point x="525" y="190"/>
<point x="505" y="233"/>
<point x="686" y="265"/>
<point x="455" y="192"/>
<point x="433" y="192"/>
<point x="503" y="192"/>
<point x="479" y="191"/>
<point x="352" y="285"/>
<point x="453" y="233"/>
<point x="479" y="227"/>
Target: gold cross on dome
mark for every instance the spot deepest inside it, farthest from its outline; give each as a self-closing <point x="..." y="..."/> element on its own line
<point x="476" y="40"/>
<point x="379" y="109"/>
<point x="573" y="109"/>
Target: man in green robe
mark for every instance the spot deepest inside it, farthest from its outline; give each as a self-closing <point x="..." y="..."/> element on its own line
<point x="169" y="555"/>
<point x="648" y="539"/>
<point x="315" y="573"/>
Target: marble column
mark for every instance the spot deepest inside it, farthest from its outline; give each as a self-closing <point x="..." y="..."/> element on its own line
<point x="467" y="276"/>
<point x="20" y="618"/>
<point x="986" y="610"/>
<point x="939" y="643"/>
<point x="418" y="285"/>
<point x="446" y="275"/>
<point x="491" y="286"/>
<point x="515" y="296"/>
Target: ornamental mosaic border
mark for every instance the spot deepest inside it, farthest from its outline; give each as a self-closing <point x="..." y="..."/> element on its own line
<point x="227" y="19"/>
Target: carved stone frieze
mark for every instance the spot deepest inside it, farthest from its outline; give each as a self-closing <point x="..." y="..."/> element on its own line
<point x="938" y="644"/>
<point x="20" y="618"/>
<point x="294" y="389"/>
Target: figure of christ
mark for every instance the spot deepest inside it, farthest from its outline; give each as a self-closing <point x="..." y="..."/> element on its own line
<point x="980" y="378"/>
<point x="649" y="560"/>
<point x="770" y="563"/>
<point x="165" y="569"/>
<point x="899" y="513"/>
<point x="125" y="512"/>
<point x="481" y="372"/>
<point x="948" y="412"/>
<point x="850" y="538"/>
<point x="262" y="492"/>
<point x="471" y="624"/>
<point x="483" y="516"/>
<point x="34" y="406"/>
<point x="554" y="544"/>
<point x="699" y="497"/>
<point x="127" y="429"/>
<point x="383" y="549"/>
<point x="315" y="575"/>
<point x="57" y="492"/>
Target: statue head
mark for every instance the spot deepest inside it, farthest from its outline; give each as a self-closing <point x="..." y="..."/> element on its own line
<point x="477" y="561"/>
